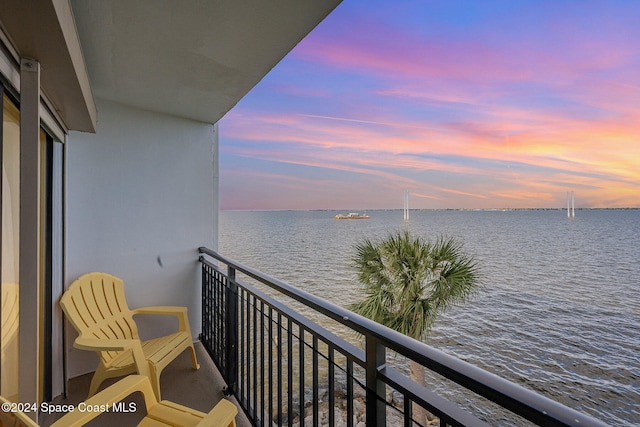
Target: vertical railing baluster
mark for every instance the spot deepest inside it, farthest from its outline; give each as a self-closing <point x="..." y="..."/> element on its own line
<point x="218" y="337"/>
<point x="243" y="347"/>
<point x="217" y="342"/>
<point x="301" y="378"/>
<point x="350" y="413"/>
<point x="214" y="332"/>
<point x="207" y="307"/>
<point x="231" y="330"/>
<point x="255" y="358"/>
<point x="331" y="384"/>
<point x="280" y="362"/>
<point x="250" y="352"/>
<point x="375" y="395"/>
<point x="214" y="338"/>
<point x="270" y="385"/>
<point x="220" y="287"/>
<point x="289" y="371"/>
<point x="203" y="290"/>
<point x="408" y="412"/>
<point x="316" y="397"/>
<point x="247" y="353"/>
<point x="262" y="362"/>
<point x="210" y="307"/>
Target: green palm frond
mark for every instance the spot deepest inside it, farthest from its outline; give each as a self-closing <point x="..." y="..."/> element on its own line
<point x="407" y="281"/>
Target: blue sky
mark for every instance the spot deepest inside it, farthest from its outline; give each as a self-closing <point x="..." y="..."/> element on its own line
<point x="492" y="104"/>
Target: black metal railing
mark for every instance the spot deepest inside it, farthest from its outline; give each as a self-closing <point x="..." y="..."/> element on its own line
<point x="285" y="369"/>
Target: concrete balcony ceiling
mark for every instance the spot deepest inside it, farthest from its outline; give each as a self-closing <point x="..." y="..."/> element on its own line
<point x="193" y="59"/>
<point x="45" y="31"/>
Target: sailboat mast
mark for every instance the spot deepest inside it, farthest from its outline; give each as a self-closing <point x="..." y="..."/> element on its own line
<point x="406" y="205"/>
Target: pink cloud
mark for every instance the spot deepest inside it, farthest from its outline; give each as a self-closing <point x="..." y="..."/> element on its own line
<point x="553" y="49"/>
<point x="566" y="146"/>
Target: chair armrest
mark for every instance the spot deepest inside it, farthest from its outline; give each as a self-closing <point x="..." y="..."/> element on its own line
<point x="161" y="309"/>
<point x="96" y="344"/>
<point x="179" y="312"/>
<point x="107" y="397"/>
<point x="135" y="346"/>
<point x="221" y="415"/>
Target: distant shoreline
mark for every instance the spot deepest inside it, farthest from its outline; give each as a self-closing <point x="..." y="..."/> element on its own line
<point x="432" y="209"/>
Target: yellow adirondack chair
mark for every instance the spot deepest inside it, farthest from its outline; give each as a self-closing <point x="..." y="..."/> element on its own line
<point x="12" y="418"/>
<point x="9" y="339"/>
<point x="95" y="305"/>
<point x="164" y="413"/>
<point x="10" y="307"/>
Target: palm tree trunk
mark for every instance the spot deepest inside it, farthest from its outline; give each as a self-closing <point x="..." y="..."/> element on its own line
<point x="417" y="375"/>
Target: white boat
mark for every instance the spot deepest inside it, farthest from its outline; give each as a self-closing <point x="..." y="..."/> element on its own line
<point x="352" y="215"/>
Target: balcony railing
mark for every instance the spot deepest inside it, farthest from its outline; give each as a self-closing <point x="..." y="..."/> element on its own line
<point x="285" y="369"/>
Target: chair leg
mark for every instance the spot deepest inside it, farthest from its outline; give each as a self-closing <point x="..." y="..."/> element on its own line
<point x="194" y="361"/>
<point x="155" y="381"/>
<point x="98" y="378"/>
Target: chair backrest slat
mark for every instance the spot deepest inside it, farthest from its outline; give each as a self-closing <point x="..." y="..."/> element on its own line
<point x="96" y="306"/>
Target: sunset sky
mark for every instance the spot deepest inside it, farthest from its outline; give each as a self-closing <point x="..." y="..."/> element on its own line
<point x="466" y="104"/>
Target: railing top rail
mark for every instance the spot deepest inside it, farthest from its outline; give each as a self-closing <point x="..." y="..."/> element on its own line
<point x="517" y="399"/>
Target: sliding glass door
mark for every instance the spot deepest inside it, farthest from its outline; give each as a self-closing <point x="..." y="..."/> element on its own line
<point x="50" y="259"/>
<point x="10" y="200"/>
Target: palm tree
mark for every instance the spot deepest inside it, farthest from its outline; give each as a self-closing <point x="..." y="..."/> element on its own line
<point x="408" y="281"/>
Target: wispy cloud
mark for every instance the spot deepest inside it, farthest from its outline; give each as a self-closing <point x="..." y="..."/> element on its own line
<point x="403" y="125"/>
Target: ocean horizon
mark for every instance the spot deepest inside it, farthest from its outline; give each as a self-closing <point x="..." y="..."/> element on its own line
<point x="431" y="209"/>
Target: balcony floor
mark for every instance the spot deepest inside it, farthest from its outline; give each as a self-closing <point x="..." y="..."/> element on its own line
<point x="179" y="383"/>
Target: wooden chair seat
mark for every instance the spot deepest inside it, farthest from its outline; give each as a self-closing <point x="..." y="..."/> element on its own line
<point x="156" y="350"/>
<point x="95" y="305"/>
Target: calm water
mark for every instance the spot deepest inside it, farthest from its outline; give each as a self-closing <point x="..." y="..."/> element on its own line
<point x="559" y="312"/>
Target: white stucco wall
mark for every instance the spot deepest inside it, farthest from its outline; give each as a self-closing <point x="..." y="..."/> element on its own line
<point x="140" y="200"/>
